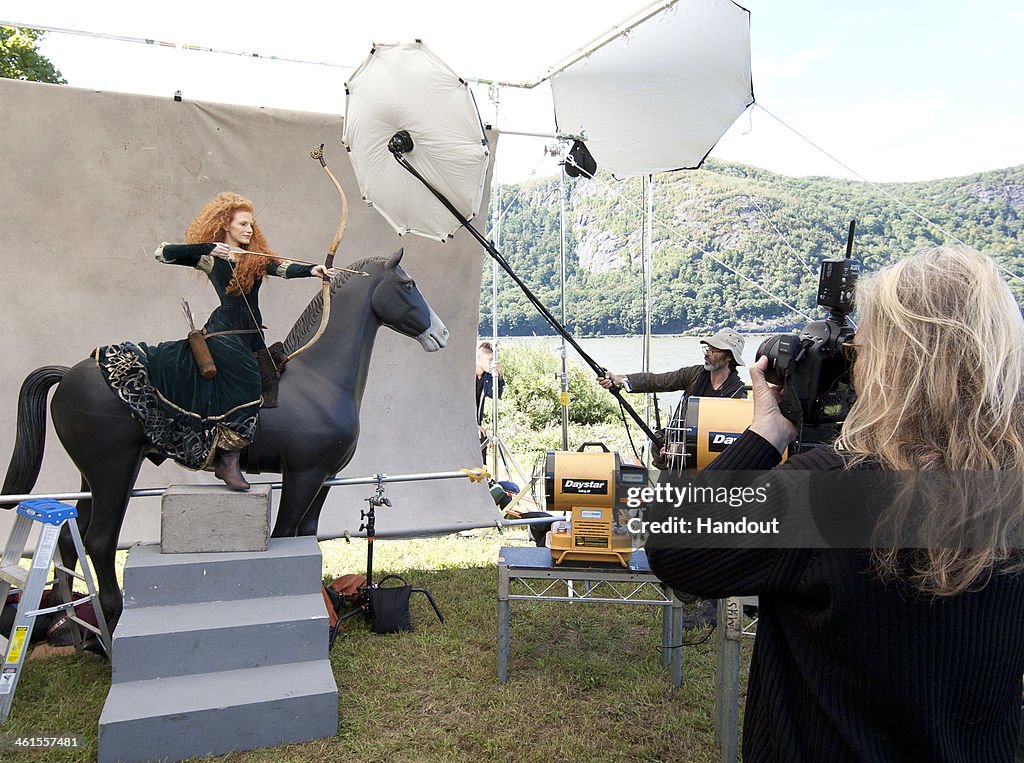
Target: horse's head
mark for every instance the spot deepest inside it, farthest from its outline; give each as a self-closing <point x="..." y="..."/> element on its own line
<point x="399" y="305"/>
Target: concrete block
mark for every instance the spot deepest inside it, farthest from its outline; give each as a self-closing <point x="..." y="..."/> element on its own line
<point x="211" y="518"/>
<point x="169" y="641"/>
<point x="172" y="719"/>
<point x="289" y="566"/>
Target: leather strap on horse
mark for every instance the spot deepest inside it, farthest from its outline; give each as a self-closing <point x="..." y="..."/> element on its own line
<point x="325" y="289"/>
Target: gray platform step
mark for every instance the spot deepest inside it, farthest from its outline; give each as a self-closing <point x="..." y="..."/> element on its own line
<point x="214" y="713"/>
<point x="168" y="641"/>
<point x="289" y="566"/>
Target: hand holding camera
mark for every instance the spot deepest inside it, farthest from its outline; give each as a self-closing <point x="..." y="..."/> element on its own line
<point x="769" y="421"/>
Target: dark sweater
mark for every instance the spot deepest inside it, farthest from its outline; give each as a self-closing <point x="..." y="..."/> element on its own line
<point x="236" y="311"/>
<point x="847" y="668"/>
<point x="694" y="380"/>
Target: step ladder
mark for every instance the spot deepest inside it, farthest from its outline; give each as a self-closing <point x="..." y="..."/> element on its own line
<point x="51" y="516"/>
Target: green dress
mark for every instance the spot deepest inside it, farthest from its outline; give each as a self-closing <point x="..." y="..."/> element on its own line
<point x="186" y="417"/>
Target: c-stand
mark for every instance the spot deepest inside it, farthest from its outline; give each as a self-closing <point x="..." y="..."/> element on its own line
<point x="386" y="608"/>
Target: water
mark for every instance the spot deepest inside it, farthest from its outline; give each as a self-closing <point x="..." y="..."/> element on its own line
<point x="624" y="354"/>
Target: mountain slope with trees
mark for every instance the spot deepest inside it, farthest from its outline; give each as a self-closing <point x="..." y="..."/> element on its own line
<point x="722" y="229"/>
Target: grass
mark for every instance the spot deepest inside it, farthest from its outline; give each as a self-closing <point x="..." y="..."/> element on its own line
<point x="585" y="683"/>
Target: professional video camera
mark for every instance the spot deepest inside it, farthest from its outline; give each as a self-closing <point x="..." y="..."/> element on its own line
<point x="813" y="367"/>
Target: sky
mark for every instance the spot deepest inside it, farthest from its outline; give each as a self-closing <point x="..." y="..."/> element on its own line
<point x="874" y="90"/>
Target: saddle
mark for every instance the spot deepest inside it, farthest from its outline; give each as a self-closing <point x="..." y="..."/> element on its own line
<point x="271" y="362"/>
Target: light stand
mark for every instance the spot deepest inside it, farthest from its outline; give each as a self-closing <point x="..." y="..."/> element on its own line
<point x="561" y="278"/>
<point x="647" y="267"/>
<point x="499" y="449"/>
<point x="494" y="438"/>
<point x="369" y="526"/>
<point x="400" y="144"/>
<point x="515" y="472"/>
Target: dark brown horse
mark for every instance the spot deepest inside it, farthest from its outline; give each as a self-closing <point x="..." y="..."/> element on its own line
<point x="308" y="438"/>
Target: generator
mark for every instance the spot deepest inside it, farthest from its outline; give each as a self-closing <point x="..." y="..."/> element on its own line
<point x="593" y="487"/>
<point x="702" y="427"/>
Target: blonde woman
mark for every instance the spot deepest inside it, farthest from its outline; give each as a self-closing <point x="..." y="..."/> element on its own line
<point x="895" y="654"/>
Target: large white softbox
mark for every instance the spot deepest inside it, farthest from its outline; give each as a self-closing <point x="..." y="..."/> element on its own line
<point x="405" y="87"/>
<point x="659" y="98"/>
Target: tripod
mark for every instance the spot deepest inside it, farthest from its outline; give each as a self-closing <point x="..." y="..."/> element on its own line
<point x="491" y="387"/>
<point x="501" y="451"/>
<point x="387" y="608"/>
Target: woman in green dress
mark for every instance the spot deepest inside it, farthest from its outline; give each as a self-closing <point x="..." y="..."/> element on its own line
<point x="205" y="423"/>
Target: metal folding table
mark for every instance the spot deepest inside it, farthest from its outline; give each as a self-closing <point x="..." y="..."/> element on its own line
<point x="529" y="574"/>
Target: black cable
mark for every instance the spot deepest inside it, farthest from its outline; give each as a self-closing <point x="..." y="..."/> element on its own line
<point x="692" y="643"/>
<point x="629" y="435"/>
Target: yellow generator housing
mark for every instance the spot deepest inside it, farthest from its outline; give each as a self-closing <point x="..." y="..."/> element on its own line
<point x="702" y="427"/>
<point x="593" y="487"/>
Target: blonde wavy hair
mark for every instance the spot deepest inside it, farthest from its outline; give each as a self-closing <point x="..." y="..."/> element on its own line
<point x="939" y="375"/>
<point x="211" y="224"/>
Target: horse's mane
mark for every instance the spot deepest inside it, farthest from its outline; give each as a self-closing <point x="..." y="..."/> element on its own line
<point x="309" y="321"/>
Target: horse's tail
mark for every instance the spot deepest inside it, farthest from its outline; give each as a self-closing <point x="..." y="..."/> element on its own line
<point x="31" y="435"/>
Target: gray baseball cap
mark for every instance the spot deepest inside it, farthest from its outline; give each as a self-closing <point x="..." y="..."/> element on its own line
<point x="727" y="339"/>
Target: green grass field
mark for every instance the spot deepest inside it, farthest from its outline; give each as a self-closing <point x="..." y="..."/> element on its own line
<point x="586" y="682"/>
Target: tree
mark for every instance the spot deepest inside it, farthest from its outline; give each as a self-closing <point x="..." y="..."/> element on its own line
<point x="20" y="59"/>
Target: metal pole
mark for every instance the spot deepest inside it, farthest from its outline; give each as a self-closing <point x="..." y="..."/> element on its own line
<point x="146" y="492"/>
<point x="727" y="679"/>
<point x="561" y="277"/>
<point x="495" y="442"/>
<point x="494" y="343"/>
<point x="646" y="260"/>
<point x="617" y="31"/>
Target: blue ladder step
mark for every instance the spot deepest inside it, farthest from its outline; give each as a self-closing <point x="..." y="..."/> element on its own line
<point x="47" y="510"/>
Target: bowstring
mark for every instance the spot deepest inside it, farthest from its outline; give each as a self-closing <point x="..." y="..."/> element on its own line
<point x="252" y="313"/>
<point x="234" y="276"/>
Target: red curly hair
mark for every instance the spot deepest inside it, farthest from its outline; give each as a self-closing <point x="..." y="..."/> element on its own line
<point x="210" y="226"/>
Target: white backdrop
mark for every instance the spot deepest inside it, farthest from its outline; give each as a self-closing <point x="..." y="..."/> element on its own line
<point x="94" y="181"/>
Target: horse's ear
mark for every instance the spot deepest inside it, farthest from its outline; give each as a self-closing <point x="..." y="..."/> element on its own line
<point x="395" y="259"/>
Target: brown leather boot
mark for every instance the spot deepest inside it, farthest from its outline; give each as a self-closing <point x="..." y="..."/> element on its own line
<point x="269" y="376"/>
<point x="225" y="468"/>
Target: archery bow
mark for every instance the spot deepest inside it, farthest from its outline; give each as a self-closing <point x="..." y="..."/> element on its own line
<point x="318" y="154"/>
